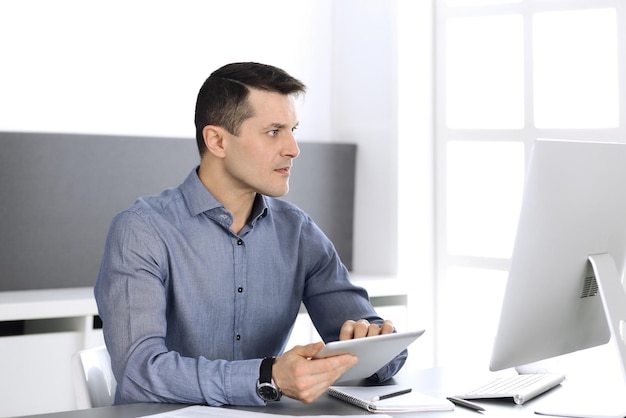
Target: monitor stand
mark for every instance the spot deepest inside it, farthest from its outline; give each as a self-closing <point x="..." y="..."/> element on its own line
<point x="613" y="296"/>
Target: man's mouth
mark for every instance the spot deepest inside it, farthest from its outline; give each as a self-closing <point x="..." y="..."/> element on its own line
<point x="284" y="171"/>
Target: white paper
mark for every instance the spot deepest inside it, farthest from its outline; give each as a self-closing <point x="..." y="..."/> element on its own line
<point x="210" y="411"/>
<point x="584" y="411"/>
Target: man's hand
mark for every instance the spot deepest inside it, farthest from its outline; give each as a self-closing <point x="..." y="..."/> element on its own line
<point x="300" y="377"/>
<point x="362" y="328"/>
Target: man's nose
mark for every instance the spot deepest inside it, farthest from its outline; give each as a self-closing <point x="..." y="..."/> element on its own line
<point x="291" y="147"/>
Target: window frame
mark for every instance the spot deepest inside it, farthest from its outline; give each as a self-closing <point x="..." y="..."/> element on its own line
<point x="442" y="135"/>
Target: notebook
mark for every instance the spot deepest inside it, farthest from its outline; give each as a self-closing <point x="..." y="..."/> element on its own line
<point x="411" y="401"/>
<point x="373" y="352"/>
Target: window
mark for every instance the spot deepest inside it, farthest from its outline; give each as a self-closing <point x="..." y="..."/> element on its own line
<point x="508" y="72"/>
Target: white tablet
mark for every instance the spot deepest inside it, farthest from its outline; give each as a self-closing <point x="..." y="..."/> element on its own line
<point x="373" y="352"/>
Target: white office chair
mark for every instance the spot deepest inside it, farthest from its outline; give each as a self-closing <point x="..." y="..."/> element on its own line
<point x="94" y="383"/>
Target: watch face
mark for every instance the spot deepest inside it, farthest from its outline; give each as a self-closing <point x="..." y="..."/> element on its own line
<point x="268" y="392"/>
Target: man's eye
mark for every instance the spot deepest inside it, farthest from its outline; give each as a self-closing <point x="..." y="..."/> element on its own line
<point x="294" y="129"/>
<point x="273" y="132"/>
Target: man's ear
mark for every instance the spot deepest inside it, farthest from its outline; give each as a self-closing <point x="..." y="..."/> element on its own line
<point x="214" y="140"/>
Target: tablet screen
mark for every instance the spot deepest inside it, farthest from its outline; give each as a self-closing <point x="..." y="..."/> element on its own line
<point x="373" y="352"/>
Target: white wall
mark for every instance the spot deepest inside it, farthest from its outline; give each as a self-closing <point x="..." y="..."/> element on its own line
<point x="134" y="67"/>
<point x="364" y="93"/>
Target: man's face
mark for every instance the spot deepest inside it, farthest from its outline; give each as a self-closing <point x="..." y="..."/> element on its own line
<point x="259" y="158"/>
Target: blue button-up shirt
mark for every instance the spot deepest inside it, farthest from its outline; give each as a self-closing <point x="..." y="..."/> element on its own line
<point x="190" y="308"/>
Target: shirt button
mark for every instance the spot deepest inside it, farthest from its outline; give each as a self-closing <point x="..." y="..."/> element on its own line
<point x="239" y="242"/>
<point x="238" y="337"/>
<point x="240" y="289"/>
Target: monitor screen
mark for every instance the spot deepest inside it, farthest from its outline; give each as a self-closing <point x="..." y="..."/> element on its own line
<point x="574" y="206"/>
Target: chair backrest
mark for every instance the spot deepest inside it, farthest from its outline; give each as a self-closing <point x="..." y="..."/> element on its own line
<point x="94" y="383"/>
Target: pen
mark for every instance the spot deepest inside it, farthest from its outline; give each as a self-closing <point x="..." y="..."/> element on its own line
<point x="391" y="395"/>
<point x="466" y="404"/>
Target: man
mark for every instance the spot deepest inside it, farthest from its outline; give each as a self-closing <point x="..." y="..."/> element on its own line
<point x="200" y="286"/>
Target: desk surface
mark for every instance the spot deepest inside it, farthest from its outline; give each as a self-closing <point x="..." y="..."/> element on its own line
<point x="432" y="381"/>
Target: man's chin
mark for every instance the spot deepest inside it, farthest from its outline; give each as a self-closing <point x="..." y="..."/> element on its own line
<point x="277" y="192"/>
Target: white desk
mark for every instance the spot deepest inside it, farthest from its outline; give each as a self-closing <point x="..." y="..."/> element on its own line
<point x="432" y="381"/>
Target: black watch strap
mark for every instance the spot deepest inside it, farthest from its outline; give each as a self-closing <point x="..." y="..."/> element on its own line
<point x="265" y="371"/>
<point x="266" y="388"/>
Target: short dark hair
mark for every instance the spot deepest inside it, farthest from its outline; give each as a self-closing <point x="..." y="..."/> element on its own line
<point x="223" y="98"/>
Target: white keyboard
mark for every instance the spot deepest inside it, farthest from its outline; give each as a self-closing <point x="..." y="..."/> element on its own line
<point x="521" y="387"/>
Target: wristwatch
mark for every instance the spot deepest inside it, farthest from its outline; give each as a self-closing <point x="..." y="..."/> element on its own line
<point x="265" y="386"/>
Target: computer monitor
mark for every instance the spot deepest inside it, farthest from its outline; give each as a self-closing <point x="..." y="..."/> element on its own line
<point x="569" y="255"/>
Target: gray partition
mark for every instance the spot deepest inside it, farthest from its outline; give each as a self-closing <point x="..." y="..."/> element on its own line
<point x="59" y="192"/>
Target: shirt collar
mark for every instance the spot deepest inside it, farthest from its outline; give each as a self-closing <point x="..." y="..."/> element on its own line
<point x="259" y="208"/>
<point x="199" y="199"/>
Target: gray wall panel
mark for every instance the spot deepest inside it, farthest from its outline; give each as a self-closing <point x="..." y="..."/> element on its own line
<point x="59" y="192"/>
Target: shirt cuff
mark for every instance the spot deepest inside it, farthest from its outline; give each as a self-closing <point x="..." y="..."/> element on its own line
<point x="240" y="382"/>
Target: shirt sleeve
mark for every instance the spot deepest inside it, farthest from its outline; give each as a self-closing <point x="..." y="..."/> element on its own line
<point x="131" y="297"/>
<point x="331" y="298"/>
